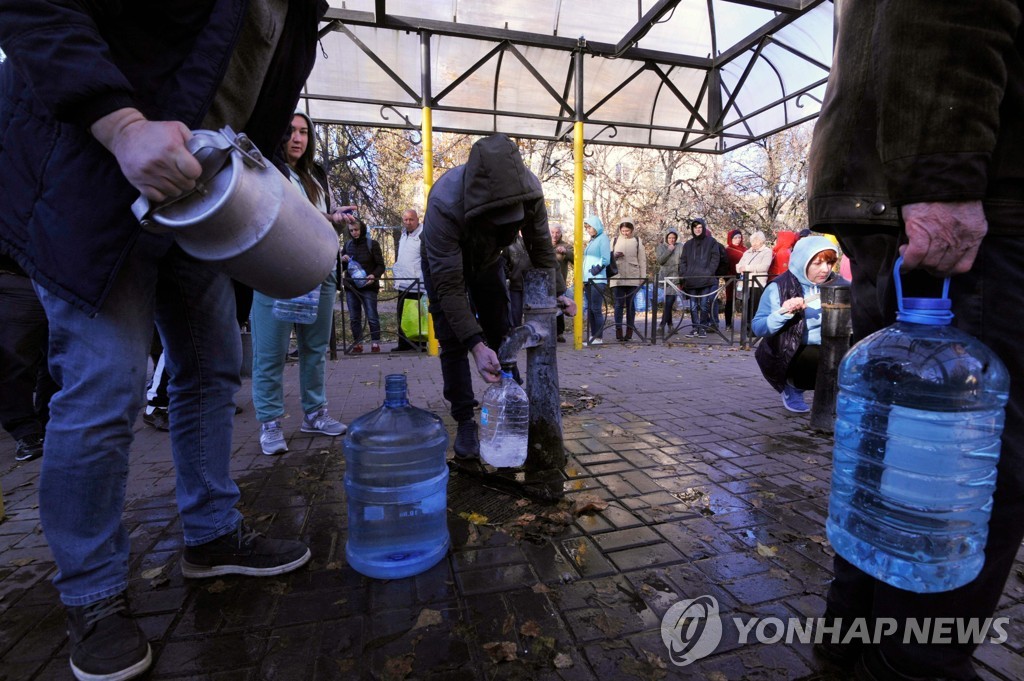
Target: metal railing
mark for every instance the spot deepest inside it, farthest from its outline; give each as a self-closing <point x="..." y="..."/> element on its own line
<point x="389" y="312"/>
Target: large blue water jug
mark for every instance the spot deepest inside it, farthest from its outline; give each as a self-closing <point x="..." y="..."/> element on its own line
<point x="918" y="421"/>
<point x="396" y="481"/>
<point x="300" y="310"/>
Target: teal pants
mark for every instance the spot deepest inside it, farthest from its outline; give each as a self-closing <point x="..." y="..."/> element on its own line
<point x="270" y="351"/>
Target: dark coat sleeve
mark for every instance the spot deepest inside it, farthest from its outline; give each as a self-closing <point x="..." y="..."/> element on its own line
<point x="442" y="251"/>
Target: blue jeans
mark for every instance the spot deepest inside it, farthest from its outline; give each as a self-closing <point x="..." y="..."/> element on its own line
<point x="270" y="352"/>
<point x="359" y="300"/>
<point x="595" y="307"/>
<point x="100" y="364"/>
<point x="700" y="305"/>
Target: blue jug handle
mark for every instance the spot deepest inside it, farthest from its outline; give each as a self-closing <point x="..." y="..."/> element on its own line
<point x="899" y="289"/>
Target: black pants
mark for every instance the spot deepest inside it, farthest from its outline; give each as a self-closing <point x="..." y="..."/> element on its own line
<point x="25" y="383"/>
<point x="488" y="297"/>
<point x="985" y="302"/>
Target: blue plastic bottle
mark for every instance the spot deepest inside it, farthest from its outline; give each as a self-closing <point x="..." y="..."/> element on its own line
<point x="396" y="481"/>
<point x="300" y="310"/>
<point x="504" y="423"/>
<point x="918" y="420"/>
<point x="356" y="271"/>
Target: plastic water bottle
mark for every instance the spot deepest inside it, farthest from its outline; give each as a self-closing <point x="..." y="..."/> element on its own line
<point x="396" y="481"/>
<point x="300" y="310"/>
<point x="357" y="273"/>
<point x="918" y="421"/>
<point x="504" y="423"/>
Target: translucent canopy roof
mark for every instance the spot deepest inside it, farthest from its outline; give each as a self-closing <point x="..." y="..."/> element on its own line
<point x="698" y="75"/>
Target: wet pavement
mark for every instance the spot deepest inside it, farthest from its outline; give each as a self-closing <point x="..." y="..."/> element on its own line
<point x="686" y="478"/>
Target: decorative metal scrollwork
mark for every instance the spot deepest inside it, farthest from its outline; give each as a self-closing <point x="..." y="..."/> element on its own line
<point x="415" y="128"/>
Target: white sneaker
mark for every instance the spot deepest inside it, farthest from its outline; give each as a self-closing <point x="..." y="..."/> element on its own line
<point x="596" y="341"/>
<point x="272" y="438"/>
<point x="321" y="422"/>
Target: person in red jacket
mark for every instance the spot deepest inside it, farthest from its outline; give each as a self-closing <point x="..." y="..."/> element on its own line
<point x="784" y="242"/>
<point x="734" y="250"/>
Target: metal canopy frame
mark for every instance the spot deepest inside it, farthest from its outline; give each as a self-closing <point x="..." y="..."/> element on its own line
<point x="692" y="75"/>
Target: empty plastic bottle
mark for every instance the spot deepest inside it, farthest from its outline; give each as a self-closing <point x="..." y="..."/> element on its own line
<point x="300" y="310"/>
<point x="504" y="422"/>
<point x="396" y="481"/>
<point x="357" y="273"/>
<point x="918" y="421"/>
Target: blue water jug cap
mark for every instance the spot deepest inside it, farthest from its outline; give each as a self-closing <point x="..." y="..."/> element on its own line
<point x="930" y="311"/>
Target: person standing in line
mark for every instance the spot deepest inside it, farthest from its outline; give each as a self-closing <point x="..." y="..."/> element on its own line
<point x="755" y="262"/>
<point x="474" y="211"/>
<point x="918" y="152"/>
<point x="564" y="256"/>
<point x="25" y="383"/>
<point x="784" y="242"/>
<point x="361" y="294"/>
<point x="631" y="259"/>
<point x="408" y="275"/>
<point x="668" y="254"/>
<point x="597" y="255"/>
<point x="270" y="336"/>
<point x="734" y="250"/>
<point x="697" y="266"/>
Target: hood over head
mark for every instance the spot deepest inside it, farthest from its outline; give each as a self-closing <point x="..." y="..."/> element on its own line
<point x="732" y="233"/>
<point x="595" y="222"/>
<point x="671" y="230"/>
<point x="784" y="239"/>
<point x="497" y="182"/>
<point x="703" y="223"/>
<point x="803" y="254"/>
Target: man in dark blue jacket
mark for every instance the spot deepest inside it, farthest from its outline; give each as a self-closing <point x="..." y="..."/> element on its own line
<point x="698" y="264"/>
<point x="96" y="103"/>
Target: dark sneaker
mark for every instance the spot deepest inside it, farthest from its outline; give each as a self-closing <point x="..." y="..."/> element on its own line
<point x="29" y="447"/>
<point x="467" y="441"/>
<point x="157" y="419"/>
<point x="106" y="643"/>
<point x="243" y="552"/>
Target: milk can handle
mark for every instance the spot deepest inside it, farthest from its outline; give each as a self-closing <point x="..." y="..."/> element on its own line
<point x="919" y="313"/>
<point x="217" y="148"/>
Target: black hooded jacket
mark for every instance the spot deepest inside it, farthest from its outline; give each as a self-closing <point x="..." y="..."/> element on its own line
<point x="459" y="241"/>
<point x="699" y="260"/>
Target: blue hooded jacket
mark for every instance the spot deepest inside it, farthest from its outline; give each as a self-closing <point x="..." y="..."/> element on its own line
<point x="597" y="252"/>
<point x="768" y="320"/>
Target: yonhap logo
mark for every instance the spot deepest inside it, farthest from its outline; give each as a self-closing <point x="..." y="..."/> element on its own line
<point x="691" y="629"/>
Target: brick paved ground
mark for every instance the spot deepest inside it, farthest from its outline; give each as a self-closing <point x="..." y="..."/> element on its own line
<point x="712" y="488"/>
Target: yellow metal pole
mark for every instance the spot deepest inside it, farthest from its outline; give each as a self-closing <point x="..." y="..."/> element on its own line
<point x="428" y="182"/>
<point x="577" y="237"/>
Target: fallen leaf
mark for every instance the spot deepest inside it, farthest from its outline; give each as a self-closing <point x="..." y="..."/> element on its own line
<point x="427" y="618"/>
<point x="766" y="551"/>
<point x="588" y="503"/>
<point x="611" y="626"/>
<point x="653" y="659"/>
<point x="475" y="518"/>
<point x="818" y="539"/>
<point x="521" y="502"/>
<point x="509" y="625"/>
<point x="717" y="676"/>
<point x="524" y="519"/>
<point x="217" y="587"/>
<point x="530" y="628"/>
<point x="808" y="478"/>
<point x="152" y="572"/>
<point x="501" y="651"/>
<point x="21" y="562"/>
<point x="562" y="661"/>
<point x="541" y="588"/>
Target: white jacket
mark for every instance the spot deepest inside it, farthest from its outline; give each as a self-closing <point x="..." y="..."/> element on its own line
<point x="407" y="265"/>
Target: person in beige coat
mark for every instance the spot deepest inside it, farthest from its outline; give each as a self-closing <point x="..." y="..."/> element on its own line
<point x="755" y="261"/>
<point x="631" y="258"/>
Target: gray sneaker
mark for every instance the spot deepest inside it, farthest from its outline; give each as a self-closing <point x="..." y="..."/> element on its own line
<point x="272" y="438"/>
<point x="321" y="422"/>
